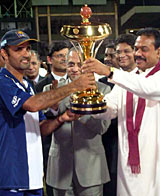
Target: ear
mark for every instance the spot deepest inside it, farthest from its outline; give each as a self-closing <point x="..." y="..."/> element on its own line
<point x="4" y="54"/>
<point x="49" y="60"/>
<point x="158" y="52"/>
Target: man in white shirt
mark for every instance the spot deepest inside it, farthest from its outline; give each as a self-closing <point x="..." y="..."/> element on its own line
<point x="138" y="113"/>
<point x="124" y="54"/>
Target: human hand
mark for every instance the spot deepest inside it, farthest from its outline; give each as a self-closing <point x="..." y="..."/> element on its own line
<point x="69" y="116"/>
<point x="94" y="65"/>
<point x="85" y="81"/>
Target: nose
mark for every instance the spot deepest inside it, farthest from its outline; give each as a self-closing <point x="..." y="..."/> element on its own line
<point x="75" y="68"/>
<point x="26" y="52"/>
<point x="138" y="52"/>
<point x="31" y="66"/>
<point x="122" y="54"/>
<point x="107" y="57"/>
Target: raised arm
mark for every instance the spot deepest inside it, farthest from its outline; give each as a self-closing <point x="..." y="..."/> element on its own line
<point x="47" y="99"/>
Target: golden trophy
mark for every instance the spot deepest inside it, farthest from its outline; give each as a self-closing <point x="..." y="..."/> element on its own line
<point x="86" y="36"/>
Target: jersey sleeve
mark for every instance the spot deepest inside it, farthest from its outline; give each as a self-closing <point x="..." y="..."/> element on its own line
<point x="13" y="95"/>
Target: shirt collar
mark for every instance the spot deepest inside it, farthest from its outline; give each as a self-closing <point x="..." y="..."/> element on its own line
<point x="59" y="77"/>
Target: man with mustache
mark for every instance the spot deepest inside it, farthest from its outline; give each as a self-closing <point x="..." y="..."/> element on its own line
<point x="135" y="99"/>
<point x="124" y="54"/>
<point x="76" y="157"/>
<point x="21" y="161"/>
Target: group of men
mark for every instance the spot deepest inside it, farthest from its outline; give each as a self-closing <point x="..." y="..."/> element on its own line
<point x="75" y="162"/>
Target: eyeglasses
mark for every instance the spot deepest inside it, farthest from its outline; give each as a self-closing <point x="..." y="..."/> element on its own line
<point x="58" y="56"/>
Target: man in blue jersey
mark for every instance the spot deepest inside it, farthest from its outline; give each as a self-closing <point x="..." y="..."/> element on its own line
<point x="21" y="162"/>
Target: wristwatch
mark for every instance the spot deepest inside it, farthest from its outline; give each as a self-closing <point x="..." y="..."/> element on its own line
<point x="111" y="72"/>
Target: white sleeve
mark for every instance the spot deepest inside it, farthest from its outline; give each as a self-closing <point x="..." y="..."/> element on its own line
<point x="138" y="84"/>
<point x="112" y="105"/>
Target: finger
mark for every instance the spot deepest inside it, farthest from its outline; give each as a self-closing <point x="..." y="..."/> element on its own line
<point x="54" y="84"/>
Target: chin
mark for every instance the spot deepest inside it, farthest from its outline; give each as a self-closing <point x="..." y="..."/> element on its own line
<point x="141" y="67"/>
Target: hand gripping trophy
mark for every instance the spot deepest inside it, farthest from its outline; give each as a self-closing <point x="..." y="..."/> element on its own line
<point x="86" y="36"/>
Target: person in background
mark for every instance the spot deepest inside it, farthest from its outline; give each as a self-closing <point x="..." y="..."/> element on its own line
<point x="110" y="60"/>
<point x="57" y="60"/>
<point x="135" y="99"/>
<point x="32" y="73"/>
<point x="76" y="157"/>
<point x="110" y="138"/>
<point x="21" y="162"/>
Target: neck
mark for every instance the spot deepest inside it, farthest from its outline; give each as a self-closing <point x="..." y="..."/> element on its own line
<point x="16" y="73"/>
<point x="32" y="78"/>
<point x="129" y="69"/>
<point x="58" y="73"/>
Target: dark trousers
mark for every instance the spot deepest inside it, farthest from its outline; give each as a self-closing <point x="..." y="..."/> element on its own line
<point x="5" y="192"/>
<point x="110" y="142"/>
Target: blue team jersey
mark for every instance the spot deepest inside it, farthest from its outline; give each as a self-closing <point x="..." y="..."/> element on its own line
<point x="13" y="150"/>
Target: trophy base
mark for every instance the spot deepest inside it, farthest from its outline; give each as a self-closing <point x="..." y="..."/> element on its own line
<point x="88" y="108"/>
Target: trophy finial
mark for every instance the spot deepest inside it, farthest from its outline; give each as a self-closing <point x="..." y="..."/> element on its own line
<point x="85" y="13"/>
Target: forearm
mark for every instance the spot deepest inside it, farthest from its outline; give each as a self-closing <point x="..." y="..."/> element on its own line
<point x="138" y="84"/>
<point x="47" y="99"/>
<point x="49" y="126"/>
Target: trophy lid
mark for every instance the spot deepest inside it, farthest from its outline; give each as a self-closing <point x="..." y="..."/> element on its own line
<point x="86" y="31"/>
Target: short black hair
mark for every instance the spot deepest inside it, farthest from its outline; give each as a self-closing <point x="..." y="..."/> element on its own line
<point x="110" y="44"/>
<point x="149" y="31"/>
<point x="126" y="38"/>
<point x="57" y="46"/>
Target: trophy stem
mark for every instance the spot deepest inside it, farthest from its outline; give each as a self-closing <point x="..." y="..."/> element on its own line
<point x="87" y="48"/>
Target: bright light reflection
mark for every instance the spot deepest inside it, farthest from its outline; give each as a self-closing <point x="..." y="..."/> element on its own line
<point x="100" y="29"/>
<point x="89" y="31"/>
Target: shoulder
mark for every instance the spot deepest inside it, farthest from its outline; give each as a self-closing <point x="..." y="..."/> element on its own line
<point x="41" y="78"/>
<point x="47" y="80"/>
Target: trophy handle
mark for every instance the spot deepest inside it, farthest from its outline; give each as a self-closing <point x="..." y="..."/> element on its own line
<point x="79" y="50"/>
<point x="89" y="50"/>
<point x="97" y="48"/>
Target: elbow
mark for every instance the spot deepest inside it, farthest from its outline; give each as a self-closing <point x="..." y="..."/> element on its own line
<point x="31" y="108"/>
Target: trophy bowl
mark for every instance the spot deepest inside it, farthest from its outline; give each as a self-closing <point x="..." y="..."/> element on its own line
<point x="86" y="36"/>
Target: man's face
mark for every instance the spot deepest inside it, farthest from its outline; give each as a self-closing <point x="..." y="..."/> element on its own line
<point x="125" y="56"/>
<point x="58" y="60"/>
<point x="73" y="65"/>
<point x="19" y="56"/>
<point x="146" y="55"/>
<point x="33" y="70"/>
<point x="110" y="57"/>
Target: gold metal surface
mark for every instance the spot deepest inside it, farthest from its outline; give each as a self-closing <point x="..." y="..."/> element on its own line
<point x="86" y="35"/>
<point x="89" y="109"/>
